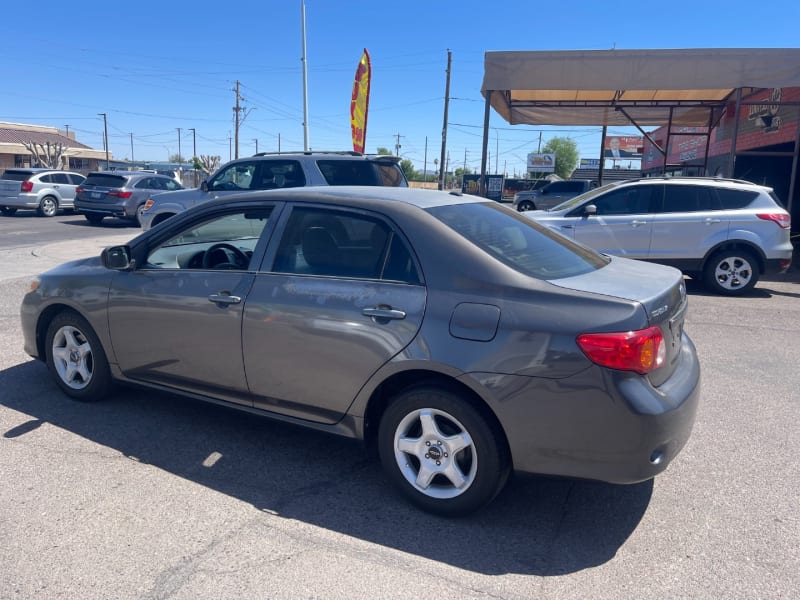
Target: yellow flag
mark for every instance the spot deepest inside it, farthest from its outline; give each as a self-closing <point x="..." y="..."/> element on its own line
<point x="359" y="103"/>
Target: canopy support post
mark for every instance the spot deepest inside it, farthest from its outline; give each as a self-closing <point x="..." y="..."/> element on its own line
<point x="485" y="147"/>
<point x="732" y="156"/>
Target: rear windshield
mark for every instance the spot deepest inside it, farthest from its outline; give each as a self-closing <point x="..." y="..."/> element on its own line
<point x="16" y="175"/>
<point x="361" y="172"/>
<point x="103" y="180"/>
<point x="519" y="242"/>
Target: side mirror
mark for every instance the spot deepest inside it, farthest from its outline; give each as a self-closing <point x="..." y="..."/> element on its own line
<point x="117" y="258"/>
<point x="204" y="185"/>
<point x="590" y="209"/>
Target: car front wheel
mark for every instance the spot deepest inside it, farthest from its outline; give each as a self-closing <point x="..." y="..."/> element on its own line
<point x="525" y="205"/>
<point x="76" y="358"/>
<point x="731" y="272"/>
<point x="442" y="452"/>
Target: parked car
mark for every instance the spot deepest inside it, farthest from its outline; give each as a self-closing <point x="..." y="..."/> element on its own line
<point x="552" y="194"/>
<point x="44" y="190"/>
<point x="267" y="171"/>
<point x="119" y="193"/>
<point x="457" y="338"/>
<point x="725" y="232"/>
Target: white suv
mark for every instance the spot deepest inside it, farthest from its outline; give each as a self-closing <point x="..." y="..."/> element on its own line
<point x="727" y="232"/>
<point x="268" y="171"/>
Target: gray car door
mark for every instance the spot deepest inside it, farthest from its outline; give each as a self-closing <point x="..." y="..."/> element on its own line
<point x="622" y="224"/>
<point x="176" y="320"/>
<point x="337" y="298"/>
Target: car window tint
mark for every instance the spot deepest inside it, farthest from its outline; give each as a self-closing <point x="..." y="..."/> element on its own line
<point x="170" y="184"/>
<point x="349" y="172"/>
<point x="225" y="242"/>
<point x="733" y="199"/>
<point x="625" y="201"/>
<point x="519" y="242"/>
<point x="276" y="174"/>
<point x="60" y="178"/>
<point x="16" y="175"/>
<point x="688" y="198"/>
<point x="48" y="178"/>
<point x="238" y="176"/>
<point x="342" y="244"/>
<point x="391" y="175"/>
<point x="103" y="180"/>
<point x="76" y="179"/>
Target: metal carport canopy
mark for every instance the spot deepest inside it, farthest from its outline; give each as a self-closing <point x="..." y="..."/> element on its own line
<point x="682" y="87"/>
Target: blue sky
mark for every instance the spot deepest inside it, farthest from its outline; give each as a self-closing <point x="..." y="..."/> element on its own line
<point x="157" y="67"/>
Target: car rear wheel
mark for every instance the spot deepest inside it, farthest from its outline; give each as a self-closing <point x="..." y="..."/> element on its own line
<point x="731" y="272"/>
<point x="76" y="358"/>
<point x="48" y="207"/>
<point x="441" y="452"/>
<point x="8" y="211"/>
<point x="94" y="219"/>
<point x="525" y="205"/>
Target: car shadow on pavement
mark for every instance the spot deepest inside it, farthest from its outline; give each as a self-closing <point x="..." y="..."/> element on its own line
<point x="537" y="526"/>
<point x="763" y="289"/>
<point x="107" y="223"/>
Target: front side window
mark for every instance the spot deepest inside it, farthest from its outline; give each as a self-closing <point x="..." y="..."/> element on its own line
<point x="626" y="201"/>
<point x="238" y="176"/>
<point x="519" y="242"/>
<point x="225" y="242"/>
<point x="335" y="243"/>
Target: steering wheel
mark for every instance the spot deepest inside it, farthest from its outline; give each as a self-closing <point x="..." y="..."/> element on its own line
<point x="232" y="256"/>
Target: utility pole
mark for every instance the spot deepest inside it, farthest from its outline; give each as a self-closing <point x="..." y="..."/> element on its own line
<point x="67" y="128"/>
<point x="194" y="155"/>
<point x="279" y="143"/>
<point x="256" y="141"/>
<point x="397" y="145"/>
<point x="105" y="135"/>
<point x="444" y="124"/>
<point x="236" y="110"/>
<point x="305" y="79"/>
<point x="465" y="161"/>
<point x="425" y="164"/>
<point x="229" y="148"/>
<point x="180" y="156"/>
<point x="131" y="147"/>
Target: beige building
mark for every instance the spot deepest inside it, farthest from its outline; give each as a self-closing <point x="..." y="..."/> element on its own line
<point x="13" y="153"/>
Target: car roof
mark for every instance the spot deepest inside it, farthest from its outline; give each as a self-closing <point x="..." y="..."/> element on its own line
<point x="361" y="195"/>
<point x="714" y="181"/>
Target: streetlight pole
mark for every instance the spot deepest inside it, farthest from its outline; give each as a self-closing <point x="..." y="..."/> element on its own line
<point x="180" y="158"/>
<point x="194" y="143"/>
<point x="105" y="135"/>
<point x="132" y="148"/>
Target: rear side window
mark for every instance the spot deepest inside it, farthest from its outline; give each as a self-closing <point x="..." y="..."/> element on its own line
<point x="391" y="175"/>
<point x="60" y="178"/>
<point x="76" y="179"/>
<point x="103" y="180"/>
<point x="688" y="198"/>
<point x="734" y="199"/>
<point x="277" y="174"/>
<point x="350" y="172"/>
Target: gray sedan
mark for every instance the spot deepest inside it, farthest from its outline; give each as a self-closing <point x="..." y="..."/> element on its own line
<point x="458" y="339"/>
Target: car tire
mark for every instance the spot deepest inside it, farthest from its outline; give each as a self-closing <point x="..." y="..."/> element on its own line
<point x="525" y="205"/>
<point x="7" y="211"/>
<point x="76" y="359"/>
<point x="731" y="272"/>
<point x="161" y="218"/>
<point x="94" y="219"/>
<point x="442" y="452"/>
<point x="48" y="207"/>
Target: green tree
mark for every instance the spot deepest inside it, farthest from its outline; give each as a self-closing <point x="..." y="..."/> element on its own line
<point x="408" y="168"/>
<point x="384" y="151"/>
<point x="566" y="151"/>
<point x="177" y="158"/>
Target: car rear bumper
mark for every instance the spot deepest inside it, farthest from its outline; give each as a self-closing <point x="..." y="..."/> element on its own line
<point x="105" y="209"/>
<point x="777" y="265"/>
<point x="622" y="430"/>
<point x="20" y="201"/>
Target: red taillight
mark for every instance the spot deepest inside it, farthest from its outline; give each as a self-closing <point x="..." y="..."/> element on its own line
<point x="79" y="190"/>
<point x="118" y="194"/>
<point x="783" y="220"/>
<point x="26" y="186"/>
<point x="642" y="351"/>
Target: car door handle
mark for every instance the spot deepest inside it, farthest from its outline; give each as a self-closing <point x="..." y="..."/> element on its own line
<point x="383" y="312"/>
<point x="636" y="223"/>
<point x="710" y="221"/>
<point x="567" y="227"/>
<point x="224" y="298"/>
